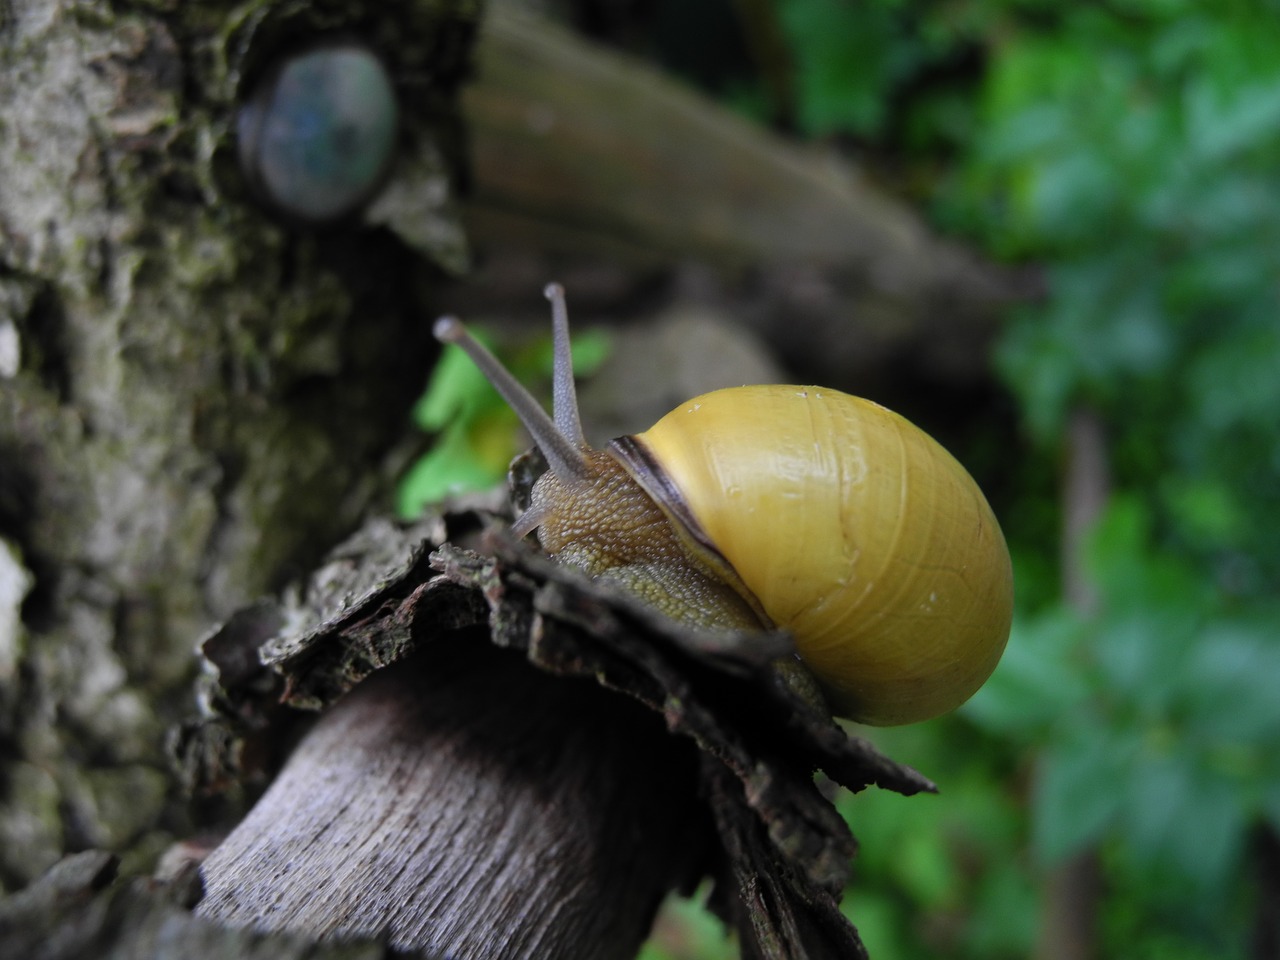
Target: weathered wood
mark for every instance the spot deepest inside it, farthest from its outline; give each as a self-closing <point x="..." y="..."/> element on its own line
<point x="76" y="912"/>
<point x="567" y="714"/>
<point x="466" y="804"/>
<point x="577" y="138"/>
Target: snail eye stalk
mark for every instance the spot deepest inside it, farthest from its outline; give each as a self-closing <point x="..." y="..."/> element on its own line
<point x="317" y="134"/>
<point x="566" y="458"/>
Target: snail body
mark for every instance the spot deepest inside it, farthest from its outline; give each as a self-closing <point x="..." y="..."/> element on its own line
<point x="797" y="507"/>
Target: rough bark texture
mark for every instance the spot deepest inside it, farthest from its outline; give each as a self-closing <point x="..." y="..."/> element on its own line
<point x="593" y="154"/>
<point x="355" y="835"/>
<point x="76" y="912"/>
<point x="198" y="400"/>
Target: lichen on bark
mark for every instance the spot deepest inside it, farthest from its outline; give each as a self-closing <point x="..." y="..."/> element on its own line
<point x="197" y="399"/>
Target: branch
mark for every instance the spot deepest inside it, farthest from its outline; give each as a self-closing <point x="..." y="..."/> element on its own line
<point x="590" y="153"/>
<point x="485" y="791"/>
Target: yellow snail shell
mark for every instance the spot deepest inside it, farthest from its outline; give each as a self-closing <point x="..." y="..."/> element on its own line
<point x="797" y="507"/>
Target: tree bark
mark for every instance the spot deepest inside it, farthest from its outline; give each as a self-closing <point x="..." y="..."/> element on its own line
<point x="478" y="800"/>
<point x="195" y="402"/>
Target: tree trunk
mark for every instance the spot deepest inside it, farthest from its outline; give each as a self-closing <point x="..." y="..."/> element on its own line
<point x="1069" y="925"/>
<point x="587" y="155"/>
<point x="195" y="403"/>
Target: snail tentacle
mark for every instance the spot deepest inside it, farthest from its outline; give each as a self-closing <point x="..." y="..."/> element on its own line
<point x="530" y="520"/>
<point x="564" y="395"/>
<point x="565" y="458"/>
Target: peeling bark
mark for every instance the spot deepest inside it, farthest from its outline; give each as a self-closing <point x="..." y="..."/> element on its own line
<point x="595" y="808"/>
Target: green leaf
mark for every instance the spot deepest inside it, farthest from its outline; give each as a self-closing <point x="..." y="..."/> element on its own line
<point x="590" y="349"/>
<point x="1140" y="657"/>
<point x="1078" y="793"/>
<point x="1070" y="197"/>
<point x="1223" y="123"/>
<point x="1038" y="680"/>
<point x="926" y="870"/>
<point x="477" y="430"/>
<point x="1229" y="685"/>
<point x="1207" y="509"/>
<point x="1005" y="918"/>
<point x="1179" y="814"/>
<point x="455" y="465"/>
<point x="1237" y="380"/>
<point x="1041" y="371"/>
<point x="880" y="921"/>
<point x="687" y="930"/>
<point x="1134" y="577"/>
<point x="457" y="388"/>
<point x="844" y="57"/>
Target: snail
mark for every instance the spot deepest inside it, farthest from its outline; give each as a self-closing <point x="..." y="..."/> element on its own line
<point x="317" y="134"/>
<point x="795" y="507"/>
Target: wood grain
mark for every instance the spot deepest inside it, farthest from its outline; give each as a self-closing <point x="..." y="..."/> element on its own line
<point x="469" y="805"/>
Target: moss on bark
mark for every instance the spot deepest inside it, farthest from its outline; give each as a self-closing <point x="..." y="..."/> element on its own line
<point x="197" y="399"/>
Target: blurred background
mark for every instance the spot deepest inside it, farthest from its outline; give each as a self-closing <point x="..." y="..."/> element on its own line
<point x="1115" y="788"/>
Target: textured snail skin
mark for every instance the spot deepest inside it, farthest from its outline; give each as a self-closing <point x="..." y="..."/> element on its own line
<point x="855" y="531"/>
<point x="796" y="507"/>
<point x="609" y="527"/>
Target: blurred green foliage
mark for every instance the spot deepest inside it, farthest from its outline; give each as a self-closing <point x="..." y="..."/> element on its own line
<point x="1133" y="149"/>
<point x="475" y="431"/>
<point x="685" y="929"/>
